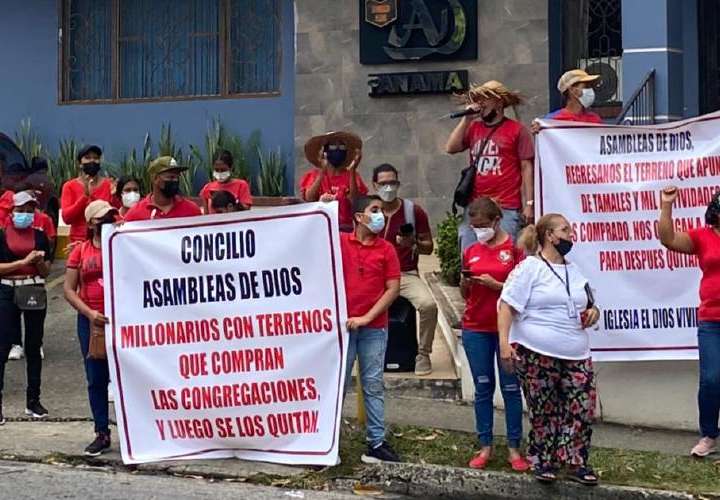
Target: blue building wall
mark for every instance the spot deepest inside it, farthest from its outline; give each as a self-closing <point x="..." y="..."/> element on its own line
<point x="29" y="88"/>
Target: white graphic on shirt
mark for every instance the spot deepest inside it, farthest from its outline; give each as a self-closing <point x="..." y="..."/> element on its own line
<point x="489" y="162"/>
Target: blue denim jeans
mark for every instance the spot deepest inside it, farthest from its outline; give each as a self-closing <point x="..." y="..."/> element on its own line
<point x="510" y="224"/>
<point x="369" y="344"/>
<point x="482" y="352"/>
<point x="98" y="378"/>
<point x="709" y="389"/>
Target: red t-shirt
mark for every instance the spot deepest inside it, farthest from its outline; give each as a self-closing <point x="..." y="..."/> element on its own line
<point x="238" y="187"/>
<point x="707" y="248"/>
<point x="20" y="242"/>
<point x="366" y="269"/>
<point x="43" y="222"/>
<point x="73" y="203"/>
<point x="87" y="259"/>
<point x="146" y="210"/>
<point x="408" y="256"/>
<point x="481" y="301"/>
<point x="338" y="185"/>
<point x="499" y="174"/>
<point x="6" y="205"/>
<point x="566" y="115"/>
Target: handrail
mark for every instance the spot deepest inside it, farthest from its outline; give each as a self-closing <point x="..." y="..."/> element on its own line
<point x="641" y="105"/>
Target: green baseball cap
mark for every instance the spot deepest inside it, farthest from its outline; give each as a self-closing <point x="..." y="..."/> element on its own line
<point x="164" y="164"/>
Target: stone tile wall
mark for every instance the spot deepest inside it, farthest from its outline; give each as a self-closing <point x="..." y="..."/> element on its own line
<point x="332" y="91"/>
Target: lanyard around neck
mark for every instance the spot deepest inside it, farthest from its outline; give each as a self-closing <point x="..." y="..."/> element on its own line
<point x="565" y="282"/>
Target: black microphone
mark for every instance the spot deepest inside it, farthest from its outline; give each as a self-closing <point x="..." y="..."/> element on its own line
<point x="465" y="112"/>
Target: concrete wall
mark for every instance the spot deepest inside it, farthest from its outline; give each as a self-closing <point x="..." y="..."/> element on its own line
<point x="29" y="88"/>
<point x="332" y="91"/>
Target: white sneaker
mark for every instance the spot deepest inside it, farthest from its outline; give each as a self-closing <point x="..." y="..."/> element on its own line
<point x="17" y="352"/>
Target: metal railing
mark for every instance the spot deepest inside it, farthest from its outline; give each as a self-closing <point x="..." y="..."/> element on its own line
<point x="640" y="108"/>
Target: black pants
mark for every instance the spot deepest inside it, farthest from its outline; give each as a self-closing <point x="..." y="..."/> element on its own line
<point x="10" y="317"/>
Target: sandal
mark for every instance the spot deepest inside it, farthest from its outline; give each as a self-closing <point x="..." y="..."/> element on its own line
<point x="545" y="474"/>
<point x="584" y="475"/>
<point x="520" y="464"/>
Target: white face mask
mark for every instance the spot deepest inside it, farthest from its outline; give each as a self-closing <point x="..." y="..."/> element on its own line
<point x="388" y="193"/>
<point x="221" y="176"/>
<point x="130" y="198"/>
<point x="587" y="98"/>
<point x="484" y="234"/>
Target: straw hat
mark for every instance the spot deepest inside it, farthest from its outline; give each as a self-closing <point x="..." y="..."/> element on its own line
<point x="494" y="89"/>
<point x="315" y="145"/>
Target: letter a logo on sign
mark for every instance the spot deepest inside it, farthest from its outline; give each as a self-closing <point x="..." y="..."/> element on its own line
<point x="380" y="13"/>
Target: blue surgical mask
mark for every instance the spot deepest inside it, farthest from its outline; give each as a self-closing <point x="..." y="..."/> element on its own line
<point x="23" y="220"/>
<point x="377" y="222"/>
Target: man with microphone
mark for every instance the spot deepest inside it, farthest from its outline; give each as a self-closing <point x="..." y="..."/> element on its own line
<point x="501" y="153"/>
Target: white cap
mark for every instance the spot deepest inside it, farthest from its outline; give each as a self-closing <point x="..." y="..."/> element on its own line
<point x="22" y="198"/>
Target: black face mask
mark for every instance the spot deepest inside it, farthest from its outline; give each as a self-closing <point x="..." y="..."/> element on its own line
<point x="712" y="214"/>
<point x="336" y="157"/>
<point x="491" y="116"/>
<point x="170" y="189"/>
<point x="91" y="169"/>
<point x="563" y="246"/>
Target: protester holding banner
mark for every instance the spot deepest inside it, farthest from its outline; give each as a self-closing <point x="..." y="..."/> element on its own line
<point x="79" y="192"/>
<point x="129" y="192"/>
<point x="408" y="230"/>
<point x="576" y="87"/>
<point x="501" y="156"/>
<point x="24" y="265"/>
<point x="372" y="283"/>
<point x="486" y="265"/>
<point x="335" y="156"/>
<point x="705" y="243"/>
<point x="223" y="180"/>
<point x="165" y="201"/>
<point x="545" y="307"/>
<point x="84" y="290"/>
<point x="223" y="202"/>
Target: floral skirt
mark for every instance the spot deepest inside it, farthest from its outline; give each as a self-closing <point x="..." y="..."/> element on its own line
<point x="561" y="397"/>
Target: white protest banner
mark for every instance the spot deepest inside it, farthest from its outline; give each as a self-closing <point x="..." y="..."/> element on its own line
<point x="227" y="335"/>
<point x="606" y="180"/>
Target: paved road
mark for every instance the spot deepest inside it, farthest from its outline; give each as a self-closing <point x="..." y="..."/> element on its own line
<point x="21" y="481"/>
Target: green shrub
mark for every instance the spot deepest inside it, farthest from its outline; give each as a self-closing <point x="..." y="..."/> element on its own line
<point x="448" y="249"/>
<point x="271" y="180"/>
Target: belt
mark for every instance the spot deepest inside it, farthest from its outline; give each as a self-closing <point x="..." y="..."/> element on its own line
<point x="23" y="281"/>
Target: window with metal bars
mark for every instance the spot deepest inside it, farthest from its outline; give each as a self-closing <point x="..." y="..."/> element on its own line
<point x="130" y="50"/>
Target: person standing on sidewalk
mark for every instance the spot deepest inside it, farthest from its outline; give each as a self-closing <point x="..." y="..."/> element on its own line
<point x="486" y="265"/>
<point x="79" y="192"/>
<point x="408" y="230"/>
<point x="336" y="157"/>
<point x="501" y="151"/>
<point x="24" y="265"/>
<point x="165" y="201"/>
<point x="705" y="243"/>
<point x="84" y="290"/>
<point x="545" y="306"/>
<point x="129" y="192"/>
<point x="372" y="283"/>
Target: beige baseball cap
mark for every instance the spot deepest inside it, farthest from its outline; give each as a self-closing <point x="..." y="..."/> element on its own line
<point x="97" y="209"/>
<point x="572" y="77"/>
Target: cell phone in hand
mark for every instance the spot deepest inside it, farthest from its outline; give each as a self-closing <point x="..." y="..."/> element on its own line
<point x="407" y="229"/>
<point x="466" y="273"/>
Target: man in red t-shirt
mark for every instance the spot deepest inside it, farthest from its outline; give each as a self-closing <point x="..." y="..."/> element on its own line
<point x="576" y="86"/>
<point x="408" y="230"/>
<point x="77" y="193"/>
<point x="502" y="151"/>
<point x="335" y="156"/>
<point x="165" y="201"/>
<point x="372" y="283"/>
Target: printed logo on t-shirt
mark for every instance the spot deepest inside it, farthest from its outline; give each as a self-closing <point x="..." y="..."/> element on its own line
<point x="488" y="162"/>
<point x="473" y="260"/>
<point x="505" y="256"/>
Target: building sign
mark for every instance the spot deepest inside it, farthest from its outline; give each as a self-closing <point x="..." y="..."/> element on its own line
<point x="420" y="82"/>
<point x="393" y="31"/>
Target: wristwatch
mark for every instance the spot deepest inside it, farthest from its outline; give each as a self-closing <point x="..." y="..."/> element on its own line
<point x="530" y="203"/>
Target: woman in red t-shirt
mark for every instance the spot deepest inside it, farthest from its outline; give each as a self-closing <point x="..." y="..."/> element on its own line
<point x="486" y="266"/>
<point x="84" y="290"/>
<point x="223" y="181"/>
<point x="705" y="243"/>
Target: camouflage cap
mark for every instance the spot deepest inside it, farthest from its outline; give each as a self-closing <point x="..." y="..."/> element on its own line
<point x="164" y="164"/>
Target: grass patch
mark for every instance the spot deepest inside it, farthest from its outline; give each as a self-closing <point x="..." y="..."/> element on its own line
<point x="452" y="448"/>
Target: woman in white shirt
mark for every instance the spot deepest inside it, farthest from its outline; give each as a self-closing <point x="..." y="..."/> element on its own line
<point x="545" y="307"/>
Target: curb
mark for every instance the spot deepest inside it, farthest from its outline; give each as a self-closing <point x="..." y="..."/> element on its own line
<point x="449" y="482"/>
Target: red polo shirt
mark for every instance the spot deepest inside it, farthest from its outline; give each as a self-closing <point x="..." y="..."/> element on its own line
<point x="566" y="115"/>
<point x="146" y="210"/>
<point x="339" y="186"/>
<point x="408" y="256"/>
<point x="481" y="302"/>
<point x="707" y="248"/>
<point x="366" y="269"/>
